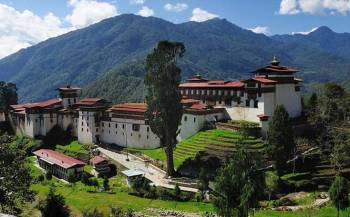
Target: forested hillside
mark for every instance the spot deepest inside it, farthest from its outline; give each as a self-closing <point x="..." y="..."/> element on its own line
<point x="100" y="58"/>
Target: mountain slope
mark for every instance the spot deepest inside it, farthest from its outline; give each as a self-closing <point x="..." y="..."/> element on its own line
<point x="94" y="56"/>
<point x="322" y="38"/>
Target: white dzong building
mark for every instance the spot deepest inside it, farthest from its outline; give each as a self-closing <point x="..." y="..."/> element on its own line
<point x="253" y="99"/>
<point x="95" y="121"/>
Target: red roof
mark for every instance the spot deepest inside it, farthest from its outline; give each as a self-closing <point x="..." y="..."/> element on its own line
<point x="276" y="68"/>
<point x="44" y="104"/>
<point x="264" y="80"/>
<point x="215" y="84"/>
<point x="199" y="106"/>
<point x="130" y="107"/>
<point x="58" y="158"/>
<point x="188" y="101"/>
<point x="90" y="102"/>
<point x="97" y="160"/>
<point x="263" y="117"/>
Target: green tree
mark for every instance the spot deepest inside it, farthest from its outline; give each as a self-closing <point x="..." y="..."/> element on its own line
<point x="339" y="193"/>
<point x="341" y="149"/>
<point x="105" y="184"/>
<point x="164" y="109"/>
<point x="15" y="179"/>
<point x="280" y="140"/>
<point x="54" y="205"/>
<point x="92" y="213"/>
<point x="85" y="178"/>
<point x="94" y="182"/>
<point x="8" y="95"/>
<point x="239" y="185"/>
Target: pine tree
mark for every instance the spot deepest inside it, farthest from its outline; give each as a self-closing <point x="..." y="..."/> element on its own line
<point x="54" y="205"/>
<point x="339" y="193"/>
<point x="280" y="141"/>
<point x="239" y="185"/>
<point x="164" y="109"/>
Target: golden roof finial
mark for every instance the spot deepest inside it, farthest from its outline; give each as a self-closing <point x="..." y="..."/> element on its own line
<point x="274" y="61"/>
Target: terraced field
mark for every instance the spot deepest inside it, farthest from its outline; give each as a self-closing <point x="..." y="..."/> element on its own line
<point x="216" y="142"/>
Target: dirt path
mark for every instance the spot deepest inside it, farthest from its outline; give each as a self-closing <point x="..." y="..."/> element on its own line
<point x="153" y="174"/>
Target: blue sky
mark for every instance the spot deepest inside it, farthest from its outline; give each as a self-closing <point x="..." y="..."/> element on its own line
<point x="27" y="22"/>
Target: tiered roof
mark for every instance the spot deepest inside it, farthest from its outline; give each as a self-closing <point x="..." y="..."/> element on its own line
<point x="275" y="68"/>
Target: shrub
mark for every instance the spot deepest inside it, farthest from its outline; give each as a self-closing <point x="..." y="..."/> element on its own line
<point x="177" y="192"/>
<point x="41" y="178"/>
<point x="116" y="211"/>
<point x="48" y="175"/>
<point x="105" y="184"/>
<point x="130" y="213"/>
<point x="85" y="178"/>
<point x="92" y="213"/>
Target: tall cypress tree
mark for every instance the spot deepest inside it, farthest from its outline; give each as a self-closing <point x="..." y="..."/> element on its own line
<point x="280" y="141"/>
<point x="164" y="109"/>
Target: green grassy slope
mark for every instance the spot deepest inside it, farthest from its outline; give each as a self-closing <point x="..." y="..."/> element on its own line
<point x="218" y="142"/>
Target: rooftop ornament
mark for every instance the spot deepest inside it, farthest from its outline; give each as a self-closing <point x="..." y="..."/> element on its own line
<point x="274" y="61"/>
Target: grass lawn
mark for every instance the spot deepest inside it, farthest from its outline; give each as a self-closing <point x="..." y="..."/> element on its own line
<point x="188" y="148"/>
<point x="73" y="147"/>
<point x="80" y="197"/>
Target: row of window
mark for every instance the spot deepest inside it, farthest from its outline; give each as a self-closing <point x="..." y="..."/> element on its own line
<point x="116" y="132"/>
<point x="213" y="92"/>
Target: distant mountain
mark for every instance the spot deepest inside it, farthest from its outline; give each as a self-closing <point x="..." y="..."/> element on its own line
<point x="106" y="58"/>
<point x="323" y="38"/>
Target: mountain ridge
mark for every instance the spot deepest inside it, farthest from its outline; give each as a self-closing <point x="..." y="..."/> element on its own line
<point x="215" y="48"/>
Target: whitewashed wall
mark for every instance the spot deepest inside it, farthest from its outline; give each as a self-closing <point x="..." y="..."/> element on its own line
<point x="120" y="132"/>
<point x="291" y="99"/>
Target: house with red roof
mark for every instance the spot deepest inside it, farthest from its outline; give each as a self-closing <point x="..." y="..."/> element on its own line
<point x="100" y="166"/>
<point x="60" y="165"/>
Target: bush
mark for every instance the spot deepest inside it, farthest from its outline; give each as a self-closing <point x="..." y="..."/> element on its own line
<point x="177" y="192"/>
<point x="116" y="211"/>
<point x="92" y="213"/>
<point x="85" y="178"/>
<point x="130" y="213"/>
<point x="48" y="175"/>
<point x="41" y="178"/>
<point x="105" y="184"/>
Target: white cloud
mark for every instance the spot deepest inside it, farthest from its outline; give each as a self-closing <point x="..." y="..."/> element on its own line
<point x="146" y="12"/>
<point x="314" y="6"/>
<point x="20" y="29"/>
<point x="200" y="15"/>
<point x="87" y="12"/>
<point x="305" y="33"/>
<point x="261" y="30"/>
<point x="178" y="7"/>
<point x="137" y="2"/>
<point x="288" y="7"/>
